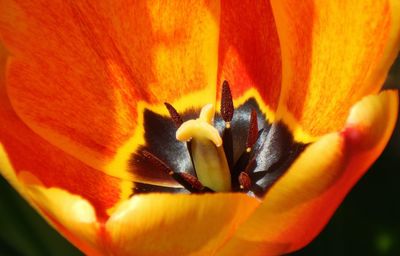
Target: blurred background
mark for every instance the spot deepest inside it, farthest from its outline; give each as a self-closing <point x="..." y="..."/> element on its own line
<point x="367" y="222"/>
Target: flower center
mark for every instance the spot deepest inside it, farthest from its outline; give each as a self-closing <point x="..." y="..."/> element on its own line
<point x="215" y="152"/>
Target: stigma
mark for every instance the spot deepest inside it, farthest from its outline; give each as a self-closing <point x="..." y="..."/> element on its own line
<point x="207" y="152"/>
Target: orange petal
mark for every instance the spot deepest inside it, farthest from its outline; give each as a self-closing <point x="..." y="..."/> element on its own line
<point x="6" y="169"/>
<point x="249" y="52"/>
<point x="334" y="53"/>
<point x="73" y="216"/>
<point x="299" y="204"/>
<point x="54" y="168"/>
<point x="79" y="69"/>
<point x="165" y="224"/>
<point x="24" y="150"/>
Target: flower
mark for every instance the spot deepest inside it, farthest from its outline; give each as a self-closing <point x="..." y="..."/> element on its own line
<point x="84" y="132"/>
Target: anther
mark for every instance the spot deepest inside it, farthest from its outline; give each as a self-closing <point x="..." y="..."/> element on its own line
<point x="244" y="181"/>
<point x="157" y="162"/>
<point x="252" y="135"/>
<point x="174" y="115"/>
<point x="227" y="108"/>
<point x="187" y="180"/>
<point x="191" y="180"/>
<point x="191" y="183"/>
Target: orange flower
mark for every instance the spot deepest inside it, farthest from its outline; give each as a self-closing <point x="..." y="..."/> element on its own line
<point x="86" y="140"/>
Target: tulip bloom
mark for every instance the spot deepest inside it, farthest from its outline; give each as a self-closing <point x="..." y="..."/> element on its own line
<point x="252" y="166"/>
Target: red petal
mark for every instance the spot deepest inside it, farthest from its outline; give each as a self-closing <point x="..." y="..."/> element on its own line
<point x="249" y="52"/>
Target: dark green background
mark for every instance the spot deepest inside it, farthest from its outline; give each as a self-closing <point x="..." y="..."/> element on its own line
<point x="367" y="223"/>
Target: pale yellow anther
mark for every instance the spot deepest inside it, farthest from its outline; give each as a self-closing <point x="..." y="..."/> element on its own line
<point x="207" y="152"/>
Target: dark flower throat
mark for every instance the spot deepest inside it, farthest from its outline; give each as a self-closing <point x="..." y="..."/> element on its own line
<point x="257" y="152"/>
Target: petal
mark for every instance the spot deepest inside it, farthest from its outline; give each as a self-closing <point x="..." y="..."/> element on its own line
<point x="299" y="204"/>
<point x="73" y="216"/>
<point x="7" y="171"/>
<point x="23" y="150"/>
<point x="249" y="51"/>
<point x="80" y="69"/>
<point x="56" y="169"/>
<point x="334" y="53"/>
<point x="165" y="224"/>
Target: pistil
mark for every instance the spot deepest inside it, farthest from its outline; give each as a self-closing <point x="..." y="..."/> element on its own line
<point x="208" y="155"/>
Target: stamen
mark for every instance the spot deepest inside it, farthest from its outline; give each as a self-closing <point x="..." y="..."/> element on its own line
<point x="193" y="181"/>
<point x="228" y="145"/>
<point x="243" y="162"/>
<point x="174" y="115"/>
<point x="244" y="181"/>
<point x="227" y="108"/>
<point x="250" y="165"/>
<point x="192" y="184"/>
<point x="157" y="162"/>
<point x="227" y="111"/>
<point x="141" y="188"/>
<point x="178" y="121"/>
<point x="181" y="178"/>
<point x="252" y="135"/>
